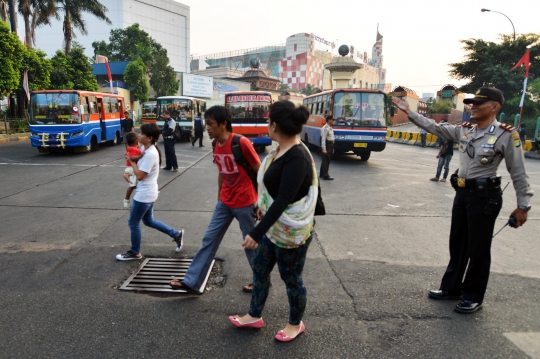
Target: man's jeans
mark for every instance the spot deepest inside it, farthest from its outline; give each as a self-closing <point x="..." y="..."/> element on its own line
<point x="220" y="222"/>
<point x="444" y="161"/>
<point x="145" y="211"/>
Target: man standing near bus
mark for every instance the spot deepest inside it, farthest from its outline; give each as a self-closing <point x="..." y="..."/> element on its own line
<point x="127" y="126"/>
<point x="199" y="129"/>
<point x="327" y="146"/>
<point x="168" y="142"/>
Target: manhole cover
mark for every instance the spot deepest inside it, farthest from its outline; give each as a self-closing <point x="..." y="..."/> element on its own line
<point x="155" y="274"/>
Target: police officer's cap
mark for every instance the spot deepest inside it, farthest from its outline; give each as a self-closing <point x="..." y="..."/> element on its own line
<point x="486" y="94"/>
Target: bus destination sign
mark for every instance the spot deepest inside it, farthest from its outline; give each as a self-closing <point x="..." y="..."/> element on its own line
<point x="243" y="98"/>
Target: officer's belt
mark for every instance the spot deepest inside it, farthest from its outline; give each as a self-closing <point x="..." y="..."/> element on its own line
<point x="168" y="137"/>
<point x="492" y="182"/>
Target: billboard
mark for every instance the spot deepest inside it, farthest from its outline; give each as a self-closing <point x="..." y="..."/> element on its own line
<point x="197" y="86"/>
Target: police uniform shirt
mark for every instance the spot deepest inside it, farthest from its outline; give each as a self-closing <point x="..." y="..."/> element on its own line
<point x="327" y="135"/>
<point x="171" y="124"/>
<point x="482" y="150"/>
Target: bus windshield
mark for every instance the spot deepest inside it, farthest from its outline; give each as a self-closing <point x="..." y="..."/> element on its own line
<point x="54" y="108"/>
<point x="356" y="109"/>
<point x="149" y="108"/>
<point x="177" y="107"/>
<point x="254" y="111"/>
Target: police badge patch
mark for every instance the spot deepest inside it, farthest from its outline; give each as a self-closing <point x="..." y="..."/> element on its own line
<point x="517" y="143"/>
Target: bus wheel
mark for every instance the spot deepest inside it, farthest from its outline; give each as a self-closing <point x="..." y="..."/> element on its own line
<point x="93" y="145"/>
<point x="260" y="148"/>
<point x="364" y="156"/>
<point x="43" y="150"/>
<point x="116" y="139"/>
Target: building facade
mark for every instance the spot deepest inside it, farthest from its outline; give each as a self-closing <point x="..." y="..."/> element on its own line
<point x="166" y="21"/>
<point x="300" y="61"/>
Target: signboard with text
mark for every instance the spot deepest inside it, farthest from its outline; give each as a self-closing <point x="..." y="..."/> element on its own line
<point x="197" y="86"/>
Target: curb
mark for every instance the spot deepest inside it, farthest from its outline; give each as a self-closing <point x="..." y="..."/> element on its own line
<point x="413" y="139"/>
<point x="14" y="138"/>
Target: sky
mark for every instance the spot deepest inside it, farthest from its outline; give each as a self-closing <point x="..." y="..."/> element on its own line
<point x="420" y="37"/>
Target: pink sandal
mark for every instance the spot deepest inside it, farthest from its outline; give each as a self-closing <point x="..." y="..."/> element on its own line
<point x="280" y="336"/>
<point x="235" y="319"/>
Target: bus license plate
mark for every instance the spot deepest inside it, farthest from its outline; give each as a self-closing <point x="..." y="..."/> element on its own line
<point x="360" y="144"/>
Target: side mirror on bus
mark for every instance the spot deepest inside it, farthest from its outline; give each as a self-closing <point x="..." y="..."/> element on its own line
<point x="392" y="111"/>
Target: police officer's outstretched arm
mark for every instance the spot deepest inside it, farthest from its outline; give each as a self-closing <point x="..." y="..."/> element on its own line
<point x="515" y="163"/>
<point x="447" y="131"/>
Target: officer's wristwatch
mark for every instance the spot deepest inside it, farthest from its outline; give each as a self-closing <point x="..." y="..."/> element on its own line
<point x="525" y="208"/>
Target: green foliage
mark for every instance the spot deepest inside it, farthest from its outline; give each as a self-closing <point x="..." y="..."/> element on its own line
<point x="284" y="87"/>
<point x="135" y="77"/>
<point x="11" y="53"/>
<point x="162" y="76"/>
<point x="73" y="71"/>
<point x="81" y="71"/>
<point x="60" y="74"/>
<point x="39" y="69"/>
<point x="440" y="107"/>
<point x="489" y="64"/>
<point x="133" y="43"/>
<point x="309" y="89"/>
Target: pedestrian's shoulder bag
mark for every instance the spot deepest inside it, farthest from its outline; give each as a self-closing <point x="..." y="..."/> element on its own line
<point x="177" y="132"/>
<point x="320" y="210"/>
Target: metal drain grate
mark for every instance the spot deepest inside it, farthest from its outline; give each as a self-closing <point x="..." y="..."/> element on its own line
<point x="155" y="274"/>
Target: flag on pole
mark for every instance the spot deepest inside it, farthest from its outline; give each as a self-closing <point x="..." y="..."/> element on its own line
<point x="25" y="85"/>
<point x="525" y="60"/>
<point x="103" y="59"/>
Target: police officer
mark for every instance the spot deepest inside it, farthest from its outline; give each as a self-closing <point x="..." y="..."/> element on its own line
<point x="478" y="200"/>
<point x="327" y="147"/>
<point x="168" y="142"/>
<point x="199" y="129"/>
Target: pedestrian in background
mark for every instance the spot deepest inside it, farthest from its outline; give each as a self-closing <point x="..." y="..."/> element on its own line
<point x="423" y="135"/>
<point x="127" y="126"/>
<point x="236" y="198"/>
<point x="478" y="200"/>
<point x="537" y="142"/>
<point x="287" y="193"/>
<point x="169" y="142"/>
<point x="199" y="129"/>
<point x="523" y="133"/>
<point x="327" y="146"/>
<point x="147" y="172"/>
<point x="446" y="151"/>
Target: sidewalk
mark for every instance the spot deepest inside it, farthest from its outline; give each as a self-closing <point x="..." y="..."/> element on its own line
<point x="15" y="137"/>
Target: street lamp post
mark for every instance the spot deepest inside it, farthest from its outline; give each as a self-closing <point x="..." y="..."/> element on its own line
<point x="487" y="10"/>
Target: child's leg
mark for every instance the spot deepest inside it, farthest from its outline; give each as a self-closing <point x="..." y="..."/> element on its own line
<point x="129" y="192"/>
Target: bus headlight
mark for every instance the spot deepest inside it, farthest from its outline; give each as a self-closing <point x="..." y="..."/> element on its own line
<point x="35" y="134"/>
<point x="340" y="137"/>
<point x="264" y="135"/>
<point x="379" y="138"/>
<point x="75" y="134"/>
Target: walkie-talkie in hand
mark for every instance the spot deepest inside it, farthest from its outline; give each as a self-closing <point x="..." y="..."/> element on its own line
<point x="512" y="222"/>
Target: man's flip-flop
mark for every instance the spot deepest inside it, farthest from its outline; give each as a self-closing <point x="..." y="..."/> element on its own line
<point x="248" y="288"/>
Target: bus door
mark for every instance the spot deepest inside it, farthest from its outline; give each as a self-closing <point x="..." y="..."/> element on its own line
<point x="103" y="105"/>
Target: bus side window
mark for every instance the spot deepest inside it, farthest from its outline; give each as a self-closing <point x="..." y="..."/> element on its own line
<point x="84" y="105"/>
<point x="107" y="104"/>
<point x="92" y="105"/>
<point x="114" y="105"/>
<point x="323" y="108"/>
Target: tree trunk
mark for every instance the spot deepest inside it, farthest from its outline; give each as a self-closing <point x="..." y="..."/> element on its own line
<point x="4" y="11"/>
<point x="13" y="15"/>
<point x="68" y="33"/>
<point x="27" y="31"/>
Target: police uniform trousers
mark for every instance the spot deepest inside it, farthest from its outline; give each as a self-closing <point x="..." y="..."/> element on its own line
<point x="198" y="136"/>
<point x="326" y="159"/>
<point x="170" y="155"/>
<point x="471" y="233"/>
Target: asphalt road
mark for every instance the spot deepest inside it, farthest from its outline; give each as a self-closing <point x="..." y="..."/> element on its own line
<point x="382" y="245"/>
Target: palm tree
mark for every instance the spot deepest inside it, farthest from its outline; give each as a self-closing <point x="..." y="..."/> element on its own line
<point x="35" y="14"/>
<point x="73" y="10"/>
<point x="3" y="10"/>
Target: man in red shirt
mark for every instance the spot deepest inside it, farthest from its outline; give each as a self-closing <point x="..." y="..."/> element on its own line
<point x="236" y="197"/>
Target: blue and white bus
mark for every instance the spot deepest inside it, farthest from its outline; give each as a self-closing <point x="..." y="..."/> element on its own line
<point x="360" y="120"/>
<point x="72" y="118"/>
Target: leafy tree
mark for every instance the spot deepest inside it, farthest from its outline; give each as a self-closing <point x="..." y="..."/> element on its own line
<point x="284" y="87"/>
<point x="80" y="71"/>
<point x="489" y="64"/>
<point x="60" y="73"/>
<point x="11" y="53"/>
<point x="309" y="89"/>
<point x="162" y="76"/>
<point x="132" y="43"/>
<point x="440" y="107"/>
<point x="39" y="69"/>
<point x="73" y="11"/>
<point x="135" y="76"/>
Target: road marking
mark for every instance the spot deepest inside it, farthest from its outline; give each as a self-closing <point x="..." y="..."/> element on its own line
<point x="529" y="342"/>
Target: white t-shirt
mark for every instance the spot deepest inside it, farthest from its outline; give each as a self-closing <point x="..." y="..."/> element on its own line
<point x="147" y="189"/>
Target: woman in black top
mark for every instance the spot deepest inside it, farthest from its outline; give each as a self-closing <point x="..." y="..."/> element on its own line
<point x="286" y="180"/>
